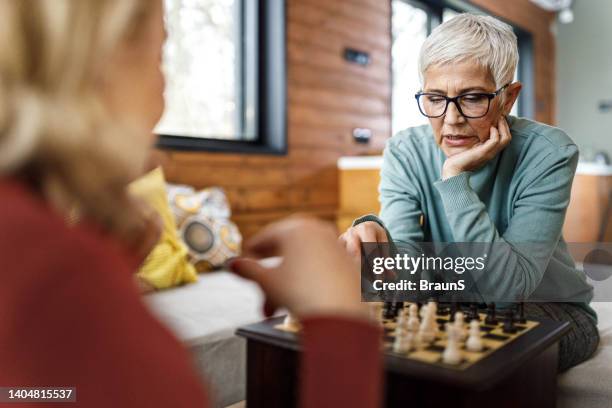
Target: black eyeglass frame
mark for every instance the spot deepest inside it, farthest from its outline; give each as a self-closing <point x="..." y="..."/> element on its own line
<point x="455" y="100"/>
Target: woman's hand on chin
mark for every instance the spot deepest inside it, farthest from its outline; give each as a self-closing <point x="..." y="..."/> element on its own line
<point x="478" y="155"/>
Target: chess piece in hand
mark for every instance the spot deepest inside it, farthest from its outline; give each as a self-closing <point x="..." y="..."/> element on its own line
<point x="315" y="277"/>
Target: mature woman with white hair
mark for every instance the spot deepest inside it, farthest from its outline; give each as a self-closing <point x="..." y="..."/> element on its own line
<point x="477" y="175"/>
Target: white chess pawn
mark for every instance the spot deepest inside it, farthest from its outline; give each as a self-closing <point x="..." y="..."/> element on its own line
<point x="413" y="323"/>
<point x="452" y="353"/>
<point x="402" y="319"/>
<point x="426" y="336"/>
<point x="474" y="342"/>
<point x="291" y="322"/>
<point x="413" y="318"/>
<point x="431" y="313"/>
<point x="423" y="311"/>
<point x="459" y="325"/>
<point x="413" y="310"/>
<point x="428" y="328"/>
<point x="403" y="341"/>
<point x="432" y="307"/>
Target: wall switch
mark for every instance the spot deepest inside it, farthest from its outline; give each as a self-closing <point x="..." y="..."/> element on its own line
<point x="362" y="135"/>
<point x="357" y="57"/>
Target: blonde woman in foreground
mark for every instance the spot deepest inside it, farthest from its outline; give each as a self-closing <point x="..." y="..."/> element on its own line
<point x="80" y="92"/>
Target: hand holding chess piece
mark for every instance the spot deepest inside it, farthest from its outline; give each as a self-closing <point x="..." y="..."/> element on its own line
<point x="315" y="276"/>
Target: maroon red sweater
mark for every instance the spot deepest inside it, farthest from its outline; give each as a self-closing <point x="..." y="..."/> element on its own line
<point x="71" y="316"/>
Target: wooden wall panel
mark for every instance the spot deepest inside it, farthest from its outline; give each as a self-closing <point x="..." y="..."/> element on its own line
<point x="587" y="211"/>
<point x="327" y="98"/>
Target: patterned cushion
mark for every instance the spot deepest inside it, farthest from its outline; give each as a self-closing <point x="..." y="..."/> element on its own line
<point x="204" y="226"/>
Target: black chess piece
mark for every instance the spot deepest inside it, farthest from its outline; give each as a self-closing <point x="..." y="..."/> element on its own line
<point x="393" y="310"/>
<point x="509" y="326"/>
<point x="398" y="306"/>
<point x="522" y="319"/>
<point x="474" y="312"/>
<point x="388" y="310"/>
<point x="442" y="310"/>
<point x="491" y="319"/>
<point x="453" y="310"/>
<point x="467" y="315"/>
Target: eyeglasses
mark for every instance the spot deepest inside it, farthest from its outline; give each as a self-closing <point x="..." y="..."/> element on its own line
<point x="471" y="105"/>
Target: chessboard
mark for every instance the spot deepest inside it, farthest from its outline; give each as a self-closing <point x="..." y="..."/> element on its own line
<point x="494" y="333"/>
<point x="429" y="360"/>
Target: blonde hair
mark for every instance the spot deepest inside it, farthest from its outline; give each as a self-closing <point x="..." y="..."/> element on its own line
<point x="54" y="129"/>
<point x="487" y="40"/>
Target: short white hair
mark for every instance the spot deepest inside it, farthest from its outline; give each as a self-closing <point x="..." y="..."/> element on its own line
<point x="487" y="40"/>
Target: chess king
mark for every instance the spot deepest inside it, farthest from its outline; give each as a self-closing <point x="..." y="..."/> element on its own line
<point x="476" y="174"/>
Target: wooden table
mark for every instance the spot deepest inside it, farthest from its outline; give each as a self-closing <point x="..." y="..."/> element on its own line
<point x="522" y="374"/>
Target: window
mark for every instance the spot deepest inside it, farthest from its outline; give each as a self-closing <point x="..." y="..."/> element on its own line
<point x="224" y="62"/>
<point x="412" y="22"/>
<point x="409" y="30"/>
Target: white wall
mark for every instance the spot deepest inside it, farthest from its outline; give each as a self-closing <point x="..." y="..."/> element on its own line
<point x="584" y="75"/>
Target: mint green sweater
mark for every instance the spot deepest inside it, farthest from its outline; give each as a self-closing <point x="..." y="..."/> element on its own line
<point x="518" y="198"/>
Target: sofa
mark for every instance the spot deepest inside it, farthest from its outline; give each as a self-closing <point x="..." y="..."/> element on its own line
<point x="204" y="316"/>
<point x="589" y="385"/>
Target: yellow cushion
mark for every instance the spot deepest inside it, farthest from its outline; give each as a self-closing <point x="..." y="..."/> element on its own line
<point x="167" y="264"/>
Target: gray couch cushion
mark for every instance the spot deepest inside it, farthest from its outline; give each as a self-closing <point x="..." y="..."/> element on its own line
<point x="589" y="385"/>
<point x="204" y="316"/>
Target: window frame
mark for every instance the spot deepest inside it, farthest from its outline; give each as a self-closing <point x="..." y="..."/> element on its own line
<point x="271" y="85"/>
<point x="435" y="12"/>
